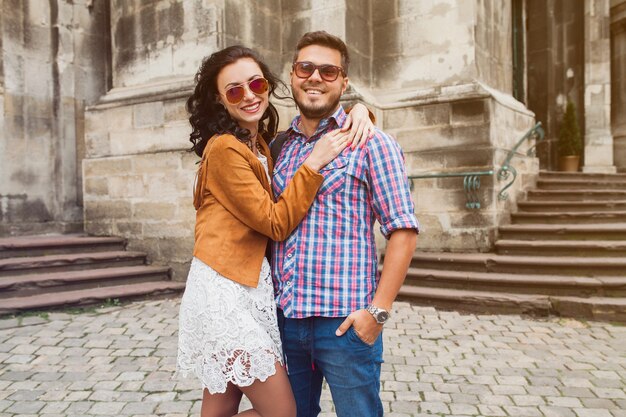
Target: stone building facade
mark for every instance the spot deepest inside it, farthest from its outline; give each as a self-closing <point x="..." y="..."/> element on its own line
<point x="458" y="83"/>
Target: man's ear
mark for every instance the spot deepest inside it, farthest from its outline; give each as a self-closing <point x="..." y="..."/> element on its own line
<point x="345" y="85"/>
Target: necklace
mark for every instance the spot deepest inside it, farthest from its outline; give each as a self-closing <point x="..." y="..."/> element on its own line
<point x="258" y="146"/>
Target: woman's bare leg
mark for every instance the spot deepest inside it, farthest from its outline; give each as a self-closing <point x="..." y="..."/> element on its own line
<point x="272" y="397"/>
<point x="221" y="405"/>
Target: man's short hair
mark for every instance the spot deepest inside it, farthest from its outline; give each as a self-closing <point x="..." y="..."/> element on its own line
<point x="324" y="38"/>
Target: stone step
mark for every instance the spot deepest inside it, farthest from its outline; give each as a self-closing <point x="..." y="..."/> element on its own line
<point x="89" y="296"/>
<point x="570" y="206"/>
<point x="69" y="262"/>
<point x="561" y="247"/>
<point x="563" y="232"/>
<point x="518" y="283"/>
<point x="571" y="217"/>
<point x="541" y="265"/>
<point x="596" y="308"/>
<point x="576" y="195"/>
<point x="476" y="301"/>
<point x="57" y="244"/>
<point x="580" y="184"/>
<point x="24" y="285"/>
<point x="556" y="175"/>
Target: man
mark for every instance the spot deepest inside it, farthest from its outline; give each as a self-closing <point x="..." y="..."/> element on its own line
<point x="332" y="306"/>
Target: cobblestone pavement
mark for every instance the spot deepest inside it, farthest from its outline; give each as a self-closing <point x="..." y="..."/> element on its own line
<point x="120" y="360"/>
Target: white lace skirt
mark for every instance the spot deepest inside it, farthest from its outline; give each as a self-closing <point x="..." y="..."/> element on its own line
<point x="227" y="331"/>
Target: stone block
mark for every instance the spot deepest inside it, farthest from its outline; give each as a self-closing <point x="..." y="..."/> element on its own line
<point x="358" y="31"/>
<point x="180" y="270"/>
<point x="153" y="211"/>
<point x="423" y="162"/>
<point x="383" y="11"/>
<point x="294" y="6"/>
<point x="174" y="111"/>
<point x="13" y="104"/>
<point x="437" y="199"/>
<point x="387" y="40"/>
<point x="127" y="228"/>
<point x="469" y="112"/>
<point x="424" y="139"/>
<point x="206" y="16"/>
<point x="96" y="186"/>
<point x="109" y="209"/>
<point x="97" y="144"/>
<point x="119" y="118"/>
<point x="474" y="157"/>
<point x="105" y="167"/>
<point x="99" y="227"/>
<point x="292" y="32"/>
<point x="148" y="114"/>
<point x="38" y="127"/>
<point x="468" y="135"/>
<point x="169" y="186"/>
<point x="157" y="162"/>
<point x="127" y="186"/>
<point x="171" y="137"/>
<point x="331" y="18"/>
<point x="417" y="116"/>
<point x="176" y="249"/>
<point x="167" y="229"/>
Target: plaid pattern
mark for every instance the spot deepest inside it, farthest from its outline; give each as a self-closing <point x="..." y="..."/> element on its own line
<point x="328" y="266"/>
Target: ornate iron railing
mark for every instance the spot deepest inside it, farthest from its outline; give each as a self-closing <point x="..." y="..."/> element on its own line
<point x="471" y="184"/>
<point x="471" y="179"/>
<point x="507" y="169"/>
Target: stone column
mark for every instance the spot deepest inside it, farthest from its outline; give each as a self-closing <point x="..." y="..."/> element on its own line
<point x="598" y="139"/>
<point x="618" y="82"/>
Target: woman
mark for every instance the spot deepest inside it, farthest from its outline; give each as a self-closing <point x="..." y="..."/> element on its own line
<point x="228" y="336"/>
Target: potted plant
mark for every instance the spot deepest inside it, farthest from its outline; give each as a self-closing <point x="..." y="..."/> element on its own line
<point x="570" y="143"/>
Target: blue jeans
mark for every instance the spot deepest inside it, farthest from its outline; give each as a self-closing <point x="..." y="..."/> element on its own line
<point x="351" y="367"/>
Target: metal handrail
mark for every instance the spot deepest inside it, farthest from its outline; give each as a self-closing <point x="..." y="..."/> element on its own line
<point x="471" y="179"/>
<point x="537" y="133"/>
<point x="471" y="183"/>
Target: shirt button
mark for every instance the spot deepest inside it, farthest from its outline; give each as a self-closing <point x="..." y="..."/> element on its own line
<point x="290" y="255"/>
<point x="307" y="144"/>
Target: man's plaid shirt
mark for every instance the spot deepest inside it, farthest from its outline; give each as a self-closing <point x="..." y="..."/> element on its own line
<point x="328" y="266"/>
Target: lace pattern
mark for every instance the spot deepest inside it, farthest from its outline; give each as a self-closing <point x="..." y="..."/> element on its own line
<point x="227" y="331"/>
<point x="263" y="161"/>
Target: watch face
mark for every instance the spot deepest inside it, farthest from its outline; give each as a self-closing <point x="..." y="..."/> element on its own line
<point x="382" y="316"/>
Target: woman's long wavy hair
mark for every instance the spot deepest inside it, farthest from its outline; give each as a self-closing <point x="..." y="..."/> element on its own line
<point x="207" y="115"/>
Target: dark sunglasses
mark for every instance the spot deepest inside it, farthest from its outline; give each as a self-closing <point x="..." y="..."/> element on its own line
<point x="235" y="94"/>
<point x="305" y="69"/>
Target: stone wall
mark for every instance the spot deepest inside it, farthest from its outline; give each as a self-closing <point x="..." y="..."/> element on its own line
<point x="471" y="131"/>
<point x="618" y="85"/>
<point x="422" y="45"/>
<point x="52" y="66"/>
<point x="425" y="86"/>
<point x="494" y="54"/>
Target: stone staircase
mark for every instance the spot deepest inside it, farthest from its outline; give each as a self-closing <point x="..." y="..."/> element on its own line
<point x="563" y="254"/>
<point x="43" y="272"/>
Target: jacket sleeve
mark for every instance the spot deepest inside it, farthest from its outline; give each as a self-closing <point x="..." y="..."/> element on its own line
<point x="233" y="183"/>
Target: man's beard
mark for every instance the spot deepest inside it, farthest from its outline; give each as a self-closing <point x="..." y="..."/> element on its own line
<point x="317" y="110"/>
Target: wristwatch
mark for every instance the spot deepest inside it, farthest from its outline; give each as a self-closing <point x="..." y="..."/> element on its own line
<point x="380" y="314"/>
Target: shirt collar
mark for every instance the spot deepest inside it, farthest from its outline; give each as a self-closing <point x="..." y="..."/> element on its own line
<point x="333" y="121"/>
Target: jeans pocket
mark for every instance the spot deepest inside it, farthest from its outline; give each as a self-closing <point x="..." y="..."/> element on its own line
<point x="352" y="333"/>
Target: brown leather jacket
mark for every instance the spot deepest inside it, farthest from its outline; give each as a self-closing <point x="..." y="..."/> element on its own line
<point x="236" y="213"/>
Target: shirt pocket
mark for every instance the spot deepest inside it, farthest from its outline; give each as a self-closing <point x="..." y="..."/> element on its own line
<point x="334" y="176"/>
